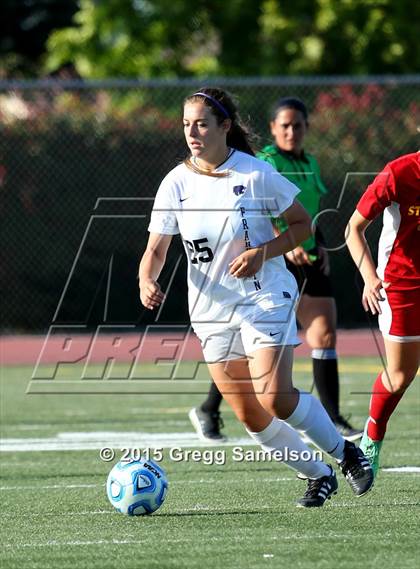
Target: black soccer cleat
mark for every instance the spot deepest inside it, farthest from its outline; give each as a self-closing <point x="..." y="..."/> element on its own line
<point x="207" y="425"/>
<point x="318" y="491"/>
<point x="356" y="469"/>
<point x="346" y="430"/>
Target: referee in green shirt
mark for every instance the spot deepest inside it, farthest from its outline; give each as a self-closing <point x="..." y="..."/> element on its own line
<point x="309" y="261"/>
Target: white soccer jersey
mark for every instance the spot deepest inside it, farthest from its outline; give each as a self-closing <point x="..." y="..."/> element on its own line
<point x="218" y="219"/>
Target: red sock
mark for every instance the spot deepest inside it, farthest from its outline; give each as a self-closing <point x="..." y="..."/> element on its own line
<point x="382" y="405"/>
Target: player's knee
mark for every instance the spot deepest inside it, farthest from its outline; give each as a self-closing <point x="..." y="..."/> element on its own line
<point x="322" y="338"/>
<point x="243" y="416"/>
<point x="247" y="416"/>
<point x="277" y="406"/>
<point x="252" y="420"/>
<point x="398" y="380"/>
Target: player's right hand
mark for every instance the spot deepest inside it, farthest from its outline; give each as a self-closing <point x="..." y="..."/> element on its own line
<point x="372" y="295"/>
<point x="298" y="256"/>
<point x="151" y="295"/>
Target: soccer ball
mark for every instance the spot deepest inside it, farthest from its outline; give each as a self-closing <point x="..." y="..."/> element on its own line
<point x="137" y="487"/>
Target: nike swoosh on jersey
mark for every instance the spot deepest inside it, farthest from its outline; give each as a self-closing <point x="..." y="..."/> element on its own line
<point x="183" y="199"/>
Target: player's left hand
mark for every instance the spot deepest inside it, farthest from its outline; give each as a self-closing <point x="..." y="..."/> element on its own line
<point x="247" y="264"/>
<point x="372" y="294"/>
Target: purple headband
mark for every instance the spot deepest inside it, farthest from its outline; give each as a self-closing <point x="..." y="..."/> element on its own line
<point x="215" y="102"/>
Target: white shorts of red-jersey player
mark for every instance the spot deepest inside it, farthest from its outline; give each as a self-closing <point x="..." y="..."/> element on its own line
<point x="400" y="318"/>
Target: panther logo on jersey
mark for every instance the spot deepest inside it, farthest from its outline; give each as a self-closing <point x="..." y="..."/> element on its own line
<point x="239" y="190"/>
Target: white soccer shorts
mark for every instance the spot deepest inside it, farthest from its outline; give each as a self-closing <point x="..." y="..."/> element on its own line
<point x="260" y="329"/>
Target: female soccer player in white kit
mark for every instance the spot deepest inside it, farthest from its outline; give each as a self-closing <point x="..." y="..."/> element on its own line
<point x="241" y="296"/>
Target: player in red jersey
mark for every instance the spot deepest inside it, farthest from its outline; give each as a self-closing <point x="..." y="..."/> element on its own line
<point x="392" y="290"/>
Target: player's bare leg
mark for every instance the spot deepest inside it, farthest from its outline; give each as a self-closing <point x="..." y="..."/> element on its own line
<point x="403" y="361"/>
<point x="275" y="436"/>
<point x="234" y="382"/>
<point x="271" y="370"/>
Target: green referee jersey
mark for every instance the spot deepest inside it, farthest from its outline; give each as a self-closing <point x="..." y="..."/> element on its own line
<point x="304" y="172"/>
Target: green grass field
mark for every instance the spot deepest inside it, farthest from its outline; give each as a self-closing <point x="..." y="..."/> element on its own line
<point x="55" y="513"/>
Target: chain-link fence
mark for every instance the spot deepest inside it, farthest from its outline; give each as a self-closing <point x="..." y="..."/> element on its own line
<point x="74" y="155"/>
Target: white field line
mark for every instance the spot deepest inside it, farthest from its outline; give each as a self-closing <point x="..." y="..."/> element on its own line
<point x="100" y="439"/>
<point x="406" y="453"/>
<point x="60" y="514"/>
<point x="240" y="480"/>
<point x="23" y="463"/>
<point x="196" y="508"/>
<point x="112" y="512"/>
<point x="75" y="543"/>
<point x="401" y="469"/>
<point x="53" y="427"/>
<point x="51" y="487"/>
<point x="76" y="441"/>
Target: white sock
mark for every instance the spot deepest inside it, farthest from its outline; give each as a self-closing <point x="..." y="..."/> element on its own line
<point x="278" y="436"/>
<point x="311" y="418"/>
<point x="324" y="354"/>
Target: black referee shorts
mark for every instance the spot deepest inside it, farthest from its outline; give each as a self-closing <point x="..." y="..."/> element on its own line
<point x="312" y="279"/>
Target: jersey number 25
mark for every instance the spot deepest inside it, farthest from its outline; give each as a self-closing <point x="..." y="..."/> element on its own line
<point x="195" y="247"/>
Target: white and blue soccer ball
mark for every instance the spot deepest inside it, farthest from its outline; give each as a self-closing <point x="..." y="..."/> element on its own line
<point x="137" y="487"/>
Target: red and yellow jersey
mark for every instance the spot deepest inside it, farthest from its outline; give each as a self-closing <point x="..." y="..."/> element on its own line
<point x="396" y="192"/>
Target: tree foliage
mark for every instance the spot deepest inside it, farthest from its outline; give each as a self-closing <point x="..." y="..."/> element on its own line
<point x="164" y="38"/>
<point x="182" y="38"/>
<point x="131" y="38"/>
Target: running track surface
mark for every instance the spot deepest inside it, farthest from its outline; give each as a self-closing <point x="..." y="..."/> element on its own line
<point x="27" y="350"/>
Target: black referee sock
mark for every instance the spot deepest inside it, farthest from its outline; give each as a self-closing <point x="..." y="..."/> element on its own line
<point x="213" y="401"/>
<point x="325" y="370"/>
